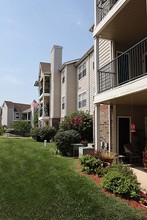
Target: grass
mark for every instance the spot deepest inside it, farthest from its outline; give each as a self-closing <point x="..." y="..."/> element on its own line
<point x="37" y="184"/>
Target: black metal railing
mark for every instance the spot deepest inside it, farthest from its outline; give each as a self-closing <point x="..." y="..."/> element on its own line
<point x="104" y="6"/>
<point x="126" y="67"/>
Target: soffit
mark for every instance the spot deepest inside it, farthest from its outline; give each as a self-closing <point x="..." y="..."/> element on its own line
<point x="128" y="26"/>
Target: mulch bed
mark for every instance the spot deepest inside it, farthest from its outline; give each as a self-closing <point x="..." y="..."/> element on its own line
<point x="132" y="203"/>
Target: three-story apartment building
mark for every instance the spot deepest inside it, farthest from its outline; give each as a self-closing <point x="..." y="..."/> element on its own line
<point x="43" y="84"/>
<point x="68" y="88"/>
<point x="121" y="83"/>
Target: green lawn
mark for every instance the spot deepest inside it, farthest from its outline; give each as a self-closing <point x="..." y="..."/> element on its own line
<point x="37" y="184"/>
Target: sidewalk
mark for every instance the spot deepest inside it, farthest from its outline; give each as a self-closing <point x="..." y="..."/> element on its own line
<point x="141" y="177"/>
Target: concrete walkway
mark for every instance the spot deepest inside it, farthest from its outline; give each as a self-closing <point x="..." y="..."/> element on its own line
<point x="141" y="177"/>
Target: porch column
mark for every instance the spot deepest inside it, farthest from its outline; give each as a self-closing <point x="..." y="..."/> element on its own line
<point x="97" y="127"/>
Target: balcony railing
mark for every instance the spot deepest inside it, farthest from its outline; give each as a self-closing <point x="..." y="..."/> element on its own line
<point x="104" y="6"/>
<point x="126" y="67"/>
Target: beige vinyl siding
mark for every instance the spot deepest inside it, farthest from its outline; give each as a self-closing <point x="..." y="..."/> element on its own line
<point x="5" y="115"/>
<point x="83" y="85"/>
<point x="104" y="52"/>
<point x="71" y="89"/>
<point x="10" y="117"/>
<point x="63" y="91"/>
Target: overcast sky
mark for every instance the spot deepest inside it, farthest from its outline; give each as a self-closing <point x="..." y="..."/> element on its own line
<point x="28" y="31"/>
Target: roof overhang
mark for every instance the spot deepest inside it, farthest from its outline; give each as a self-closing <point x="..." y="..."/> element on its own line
<point x="125" y="23"/>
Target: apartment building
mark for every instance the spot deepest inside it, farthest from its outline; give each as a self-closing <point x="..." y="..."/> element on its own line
<point x="43" y="84"/>
<point x="68" y="73"/>
<point x="12" y="112"/>
<point x="85" y="82"/>
<point x="121" y="82"/>
<point x="71" y="86"/>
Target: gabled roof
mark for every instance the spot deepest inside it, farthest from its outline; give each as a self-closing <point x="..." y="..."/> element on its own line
<point x="68" y="63"/>
<point x="45" y="67"/>
<point x="19" y="107"/>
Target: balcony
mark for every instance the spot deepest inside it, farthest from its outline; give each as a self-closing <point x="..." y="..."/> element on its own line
<point x="127" y="67"/>
<point x="104" y="6"/>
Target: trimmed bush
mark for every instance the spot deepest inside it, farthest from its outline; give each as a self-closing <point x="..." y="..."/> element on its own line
<point x="21" y="128"/>
<point x="81" y="122"/>
<point x="64" y="140"/>
<point x="43" y="133"/>
<point x="90" y="164"/>
<point x="122" y="185"/>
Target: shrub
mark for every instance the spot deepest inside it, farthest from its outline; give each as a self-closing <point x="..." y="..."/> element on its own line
<point x="90" y="164"/>
<point x="64" y="140"/>
<point x="21" y="128"/>
<point x="120" y="184"/>
<point x="2" y="130"/>
<point x="125" y="170"/>
<point x="43" y="133"/>
<point x="81" y="122"/>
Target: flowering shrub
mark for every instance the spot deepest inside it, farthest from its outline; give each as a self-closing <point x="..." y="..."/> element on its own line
<point x="81" y="122"/>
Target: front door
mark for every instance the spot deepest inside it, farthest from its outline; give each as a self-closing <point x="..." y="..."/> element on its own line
<point x="124" y="133"/>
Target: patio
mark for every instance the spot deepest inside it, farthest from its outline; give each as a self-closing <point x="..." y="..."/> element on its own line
<point x="141" y="177"/>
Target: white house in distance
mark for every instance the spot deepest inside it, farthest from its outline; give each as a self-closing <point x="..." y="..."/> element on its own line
<point x="121" y="82"/>
<point x="15" y="112"/>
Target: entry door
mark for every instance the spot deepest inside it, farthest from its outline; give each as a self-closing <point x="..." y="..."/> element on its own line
<point x="124" y="133"/>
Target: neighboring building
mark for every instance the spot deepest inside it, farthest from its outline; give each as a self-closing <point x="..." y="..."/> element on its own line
<point x="43" y="84"/>
<point x="121" y="80"/>
<point x="15" y="112"/>
<point x="68" y="88"/>
<point x="71" y="87"/>
<point x="85" y="82"/>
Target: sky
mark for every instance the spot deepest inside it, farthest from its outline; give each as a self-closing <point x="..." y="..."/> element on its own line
<point x="28" y="31"/>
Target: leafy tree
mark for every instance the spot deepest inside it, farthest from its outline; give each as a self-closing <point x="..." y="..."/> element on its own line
<point x="21" y="128"/>
<point x="36" y="119"/>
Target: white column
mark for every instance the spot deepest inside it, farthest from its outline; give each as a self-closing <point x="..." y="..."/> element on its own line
<point x="97" y="127"/>
<point x="96" y="64"/>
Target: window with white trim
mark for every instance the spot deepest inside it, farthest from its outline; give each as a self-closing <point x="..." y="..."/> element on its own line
<point x="82" y="70"/>
<point x="17" y="115"/>
<point x="82" y="100"/>
<point x="63" y="102"/>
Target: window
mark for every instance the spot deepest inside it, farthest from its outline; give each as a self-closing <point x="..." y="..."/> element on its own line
<point x="82" y="70"/>
<point x="82" y="100"/>
<point x="63" y="102"/>
<point x="63" y="77"/>
<point x="17" y="115"/>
